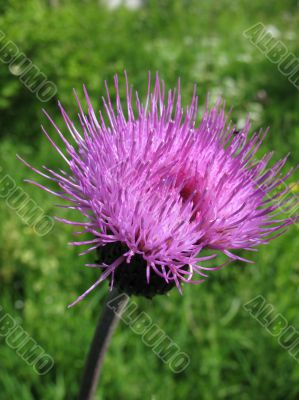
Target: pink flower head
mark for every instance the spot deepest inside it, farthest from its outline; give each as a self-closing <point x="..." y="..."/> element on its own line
<point x="164" y="188"/>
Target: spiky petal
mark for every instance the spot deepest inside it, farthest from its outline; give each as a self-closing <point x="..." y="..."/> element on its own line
<point x="151" y="179"/>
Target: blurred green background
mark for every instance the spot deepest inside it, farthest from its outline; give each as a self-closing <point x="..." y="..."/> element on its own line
<point x="76" y="42"/>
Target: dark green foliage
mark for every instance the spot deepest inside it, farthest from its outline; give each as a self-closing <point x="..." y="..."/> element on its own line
<point x="76" y="42"/>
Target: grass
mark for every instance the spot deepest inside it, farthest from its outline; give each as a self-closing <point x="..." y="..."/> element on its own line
<point x="232" y="355"/>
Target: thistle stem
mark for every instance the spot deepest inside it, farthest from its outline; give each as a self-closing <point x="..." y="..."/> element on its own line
<point x="109" y="318"/>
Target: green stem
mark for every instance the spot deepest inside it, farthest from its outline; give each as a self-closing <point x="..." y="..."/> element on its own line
<point x="103" y="334"/>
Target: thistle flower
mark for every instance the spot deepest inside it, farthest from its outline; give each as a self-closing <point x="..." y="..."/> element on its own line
<point x="156" y="189"/>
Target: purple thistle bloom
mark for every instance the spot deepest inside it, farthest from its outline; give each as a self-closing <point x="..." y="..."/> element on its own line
<point x="163" y="188"/>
